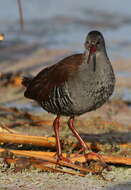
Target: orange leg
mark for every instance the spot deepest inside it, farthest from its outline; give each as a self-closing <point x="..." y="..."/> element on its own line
<point x="56" y="125"/>
<point x="82" y="143"/>
<point x="75" y="132"/>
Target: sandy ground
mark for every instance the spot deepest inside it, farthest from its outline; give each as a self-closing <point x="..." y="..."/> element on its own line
<point x="116" y="110"/>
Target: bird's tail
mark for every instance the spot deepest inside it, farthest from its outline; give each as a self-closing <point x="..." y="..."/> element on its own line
<point x="26" y="81"/>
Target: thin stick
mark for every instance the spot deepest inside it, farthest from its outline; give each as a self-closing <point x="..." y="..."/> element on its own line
<point x="44" y="167"/>
<point x="44" y="158"/>
<point x="49" y="156"/>
<point x="26" y="139"/>
<point x="56" y="170"/>
<point x="47" y="141"/>
<point x="21" y="19"/>
<point x="6" y="109"/>
<point x="37" y="123"/>
<point x="112" y="159"/>
<point x="2" y="125"/>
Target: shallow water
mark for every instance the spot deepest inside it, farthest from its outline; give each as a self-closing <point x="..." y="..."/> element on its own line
<point x="57" y="24"/>
<point x="25" y="107"/>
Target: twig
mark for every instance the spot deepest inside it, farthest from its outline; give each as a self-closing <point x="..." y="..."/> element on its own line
<point x="40" y="166"/>
<point x="21" y="20"/>
<point x="45" y="157"/>
<point x="112" y="159"/>
<point x="49" y="142"/>
<point x="49" y="156"/>
<point x="6" y="109"/>
<point x="2" y="125"/>
<point x="43" y="166"/>
<point x="37" y="123"/>
<point x="26" y="139"/>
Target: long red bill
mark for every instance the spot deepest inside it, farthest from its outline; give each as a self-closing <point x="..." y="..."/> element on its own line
<point x="92" y="50"/>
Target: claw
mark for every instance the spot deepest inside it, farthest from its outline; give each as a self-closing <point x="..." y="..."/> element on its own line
<point x="88" y="155"/>
<point x="64" y="159"/>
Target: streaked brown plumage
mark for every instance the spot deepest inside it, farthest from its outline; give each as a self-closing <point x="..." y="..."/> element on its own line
<point x="50" y="77"/>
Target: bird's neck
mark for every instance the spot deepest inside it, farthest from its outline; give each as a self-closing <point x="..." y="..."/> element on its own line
<point x="98" y="55"/>
<point x="97" y="61"/>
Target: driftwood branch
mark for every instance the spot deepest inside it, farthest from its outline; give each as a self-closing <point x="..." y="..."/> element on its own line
<point x="42" y="159"/>
<point x="49" y="142"/>
<point x="6" y="129"/>
<point x="38" y="164"/>
<point x="50" y="156"/>
<point x="26" y="139"/>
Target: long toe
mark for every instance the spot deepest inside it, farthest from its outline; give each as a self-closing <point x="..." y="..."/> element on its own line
<point x="96" y="156"/>
<point x="64" y="159"/>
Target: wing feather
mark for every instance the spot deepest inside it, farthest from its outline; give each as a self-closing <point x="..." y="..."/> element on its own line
<point x="40" y="87"/>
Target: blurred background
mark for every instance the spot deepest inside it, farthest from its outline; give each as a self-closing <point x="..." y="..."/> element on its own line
<point x="55" y="29"/>
<point x="52" y="30"/>
<point x="64" y="24"/>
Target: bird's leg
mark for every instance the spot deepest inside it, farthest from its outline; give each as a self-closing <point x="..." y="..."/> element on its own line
<point x="74" y="131"/>
<point x="82" y="143"/>
<point x="56" y="125"/>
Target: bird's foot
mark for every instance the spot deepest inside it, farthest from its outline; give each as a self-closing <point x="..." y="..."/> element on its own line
<point x="94" y="154"/>
<point x="99" y="157"/>
<point x="77" y="154"/>
<point x="62" y="158"/>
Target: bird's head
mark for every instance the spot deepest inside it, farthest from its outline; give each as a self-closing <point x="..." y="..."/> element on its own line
<point x="94" y="43"/>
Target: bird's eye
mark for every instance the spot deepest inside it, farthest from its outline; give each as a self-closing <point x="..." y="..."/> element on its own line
<point x="98" y="43"/>
<point x="87" y="42"/>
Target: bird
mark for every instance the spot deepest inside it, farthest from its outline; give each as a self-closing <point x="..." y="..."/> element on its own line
<point x="77" y="84"/>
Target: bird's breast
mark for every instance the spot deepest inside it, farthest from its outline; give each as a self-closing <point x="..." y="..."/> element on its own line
<point x="89" y="90"/>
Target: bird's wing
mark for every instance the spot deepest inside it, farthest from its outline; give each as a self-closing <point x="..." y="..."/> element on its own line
<point x="40" y="87"/>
